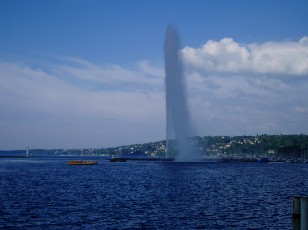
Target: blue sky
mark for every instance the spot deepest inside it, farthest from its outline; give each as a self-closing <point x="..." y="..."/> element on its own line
<point x="78" y="73"/>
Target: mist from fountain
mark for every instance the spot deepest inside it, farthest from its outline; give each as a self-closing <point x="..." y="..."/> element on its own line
<point x="178" y="123"/>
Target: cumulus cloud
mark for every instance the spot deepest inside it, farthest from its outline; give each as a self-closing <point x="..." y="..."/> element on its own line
<point x="254" y="88"/>
<point x="228" y="56"/>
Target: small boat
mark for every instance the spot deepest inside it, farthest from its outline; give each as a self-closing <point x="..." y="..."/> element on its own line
<point x="82" y="162"/>
<point x="117" y="159"/>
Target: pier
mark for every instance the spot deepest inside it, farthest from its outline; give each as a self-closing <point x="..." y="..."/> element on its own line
<point x="300" y="212"/>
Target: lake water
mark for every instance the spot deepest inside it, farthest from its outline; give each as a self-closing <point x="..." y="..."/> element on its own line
<point x="47" y="193"/>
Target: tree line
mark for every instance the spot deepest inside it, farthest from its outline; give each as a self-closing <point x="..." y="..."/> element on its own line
<point x="260" y="145"/>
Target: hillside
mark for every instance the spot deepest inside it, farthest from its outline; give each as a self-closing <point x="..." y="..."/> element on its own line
<point x="278" y="146"/>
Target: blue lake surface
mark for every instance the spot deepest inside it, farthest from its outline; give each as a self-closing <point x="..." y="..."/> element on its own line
<point x="47" y="193"/>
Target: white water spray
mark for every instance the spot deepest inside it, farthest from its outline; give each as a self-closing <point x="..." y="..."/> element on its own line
<point x="178" y="125"/>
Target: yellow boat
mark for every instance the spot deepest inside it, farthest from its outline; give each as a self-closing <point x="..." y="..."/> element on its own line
<point x="82" y="162"/>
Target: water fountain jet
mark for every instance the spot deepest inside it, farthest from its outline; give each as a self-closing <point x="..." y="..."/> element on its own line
<point x="178" y="124"/>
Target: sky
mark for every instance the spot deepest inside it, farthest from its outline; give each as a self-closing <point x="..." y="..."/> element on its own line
<point x="90" y="74"/>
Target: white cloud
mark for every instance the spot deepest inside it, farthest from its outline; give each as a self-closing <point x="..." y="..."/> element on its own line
<point x="79" y="104"/>
<point x="240" y="89"/>
<point x="233" y="89"/>
<point x="228" y="56"/>
<point x="115" y="76"/>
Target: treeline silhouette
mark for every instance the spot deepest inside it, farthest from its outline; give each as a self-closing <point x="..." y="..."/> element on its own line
<point x="260" y="145"/>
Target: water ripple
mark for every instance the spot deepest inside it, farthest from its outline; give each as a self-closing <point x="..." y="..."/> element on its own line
<point x="49" y="194"/>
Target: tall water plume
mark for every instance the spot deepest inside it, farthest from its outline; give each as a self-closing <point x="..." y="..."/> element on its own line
<point x="178" y="127"/>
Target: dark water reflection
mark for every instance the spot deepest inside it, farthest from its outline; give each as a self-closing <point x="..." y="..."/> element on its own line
<point x="48" y="193"/>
